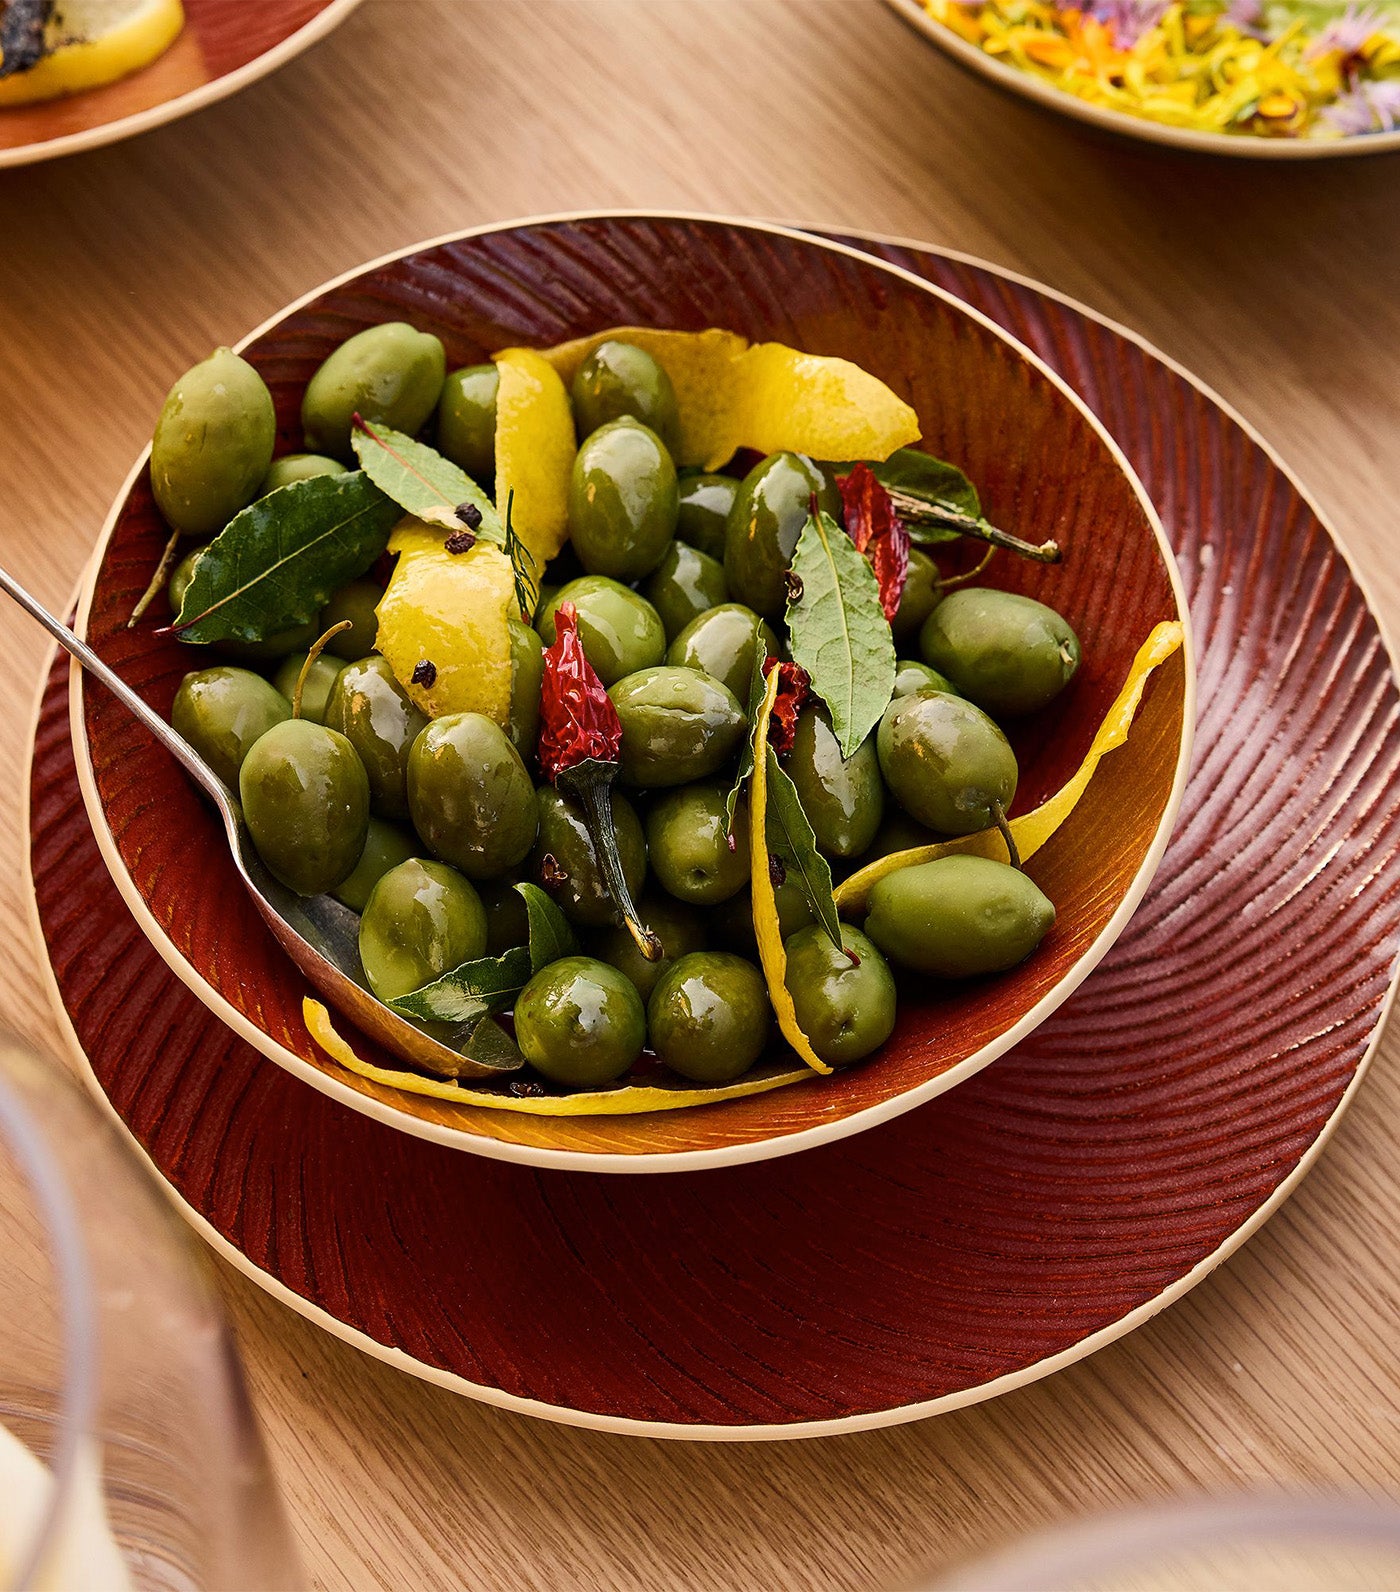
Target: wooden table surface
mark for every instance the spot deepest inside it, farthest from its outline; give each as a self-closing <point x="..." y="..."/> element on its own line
<point x="1280" y="286"/>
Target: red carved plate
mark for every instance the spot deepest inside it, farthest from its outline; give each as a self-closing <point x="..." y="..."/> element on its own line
<point x="1045" y="467"/>
<point x="225" y="45"/>
<point x="1045" y="1207"/>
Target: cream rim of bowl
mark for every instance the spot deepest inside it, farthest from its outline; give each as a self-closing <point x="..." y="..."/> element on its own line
<point x="647" y="1161"/>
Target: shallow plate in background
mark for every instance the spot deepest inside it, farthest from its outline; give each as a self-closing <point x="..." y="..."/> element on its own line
<point x="1044" y="467"/>
<point x="1048" y="1206"/>
<point x="225" y="45"/>
<point x="1015" y="81"/>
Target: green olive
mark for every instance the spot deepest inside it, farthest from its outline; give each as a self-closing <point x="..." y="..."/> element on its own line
<point x="622" y="501"/>
<point x="357" y="602"/>
<point x="688" y="844"/>
<point x="372" y="711"/>
<point x="565" y="863"/>
<point x="306" y="803"/>
<point x="390" y="373"/>
<point x="911" y="676"/>
<point x="898" y="832"/>
<point x="764" y="524"/>
<point x="526" y="678"/>
<point x="213" y="444"/>
<point x="316" y="690"/>
<point x="297" y="467"/>
<point x="580" y="1022"/>
<point x="722" y="644"/>
<point x="470" y="796"/>
<point x="421" y="920"/>
<point x="507" y="921"/>
<point x="619" y="380"/>
<point x="945" y="762"/>
<point x="958" y="916"/>
<point x="846" y="1009"/>
<point x="1007" y="653"/>
<point x="678" y="725"/>
<point x="621" y="632"/>
<point x="705" y="502"/>
<point x="843" y="797"/>
<point x="732" y="923"/>
<point x="386" y="846"/>
<point x="684" y="585"/>
<point x="466" y="420"/>
<point x="677" y="927"/>
<point x="709" y="1017"/>
<point x="921" y="595"/>
<point x="222" y="711"/>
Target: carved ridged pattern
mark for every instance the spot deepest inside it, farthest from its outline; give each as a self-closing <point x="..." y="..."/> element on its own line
<point x="1042" y="465"/>
<point x="1076" y="1180"/>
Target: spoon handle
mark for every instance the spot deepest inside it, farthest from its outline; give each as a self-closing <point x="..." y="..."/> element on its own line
<point x="76" y="647"/>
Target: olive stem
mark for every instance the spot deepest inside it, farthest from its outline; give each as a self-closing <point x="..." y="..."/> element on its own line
<point x="591" y="782"/>
<point x="158" y="580"/>
<point x="999" y="816"/>
<point x="919" y="511"/>
<point x="968" y="574"/>
<point x="317" y="648"/>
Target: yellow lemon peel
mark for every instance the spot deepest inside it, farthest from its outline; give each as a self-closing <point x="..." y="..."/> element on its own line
<point x="92" y="43"/>
<point x="766" y="927"/>
<point x="535" y="450"/>
<point x="450" y="610"/>
<point x="1031" y="830"/>
<point x="624" y="1101"/>
<point x="767" y="396"/>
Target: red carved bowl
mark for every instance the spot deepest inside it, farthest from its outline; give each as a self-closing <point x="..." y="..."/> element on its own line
<point x="224" y="47"/>
<point x="1046" y="467"/>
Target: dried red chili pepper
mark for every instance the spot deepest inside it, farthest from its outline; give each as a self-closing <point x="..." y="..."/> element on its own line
<point x="579" y="749"/>
<point x="877" y="531"/>
<point x="793" y="685"/>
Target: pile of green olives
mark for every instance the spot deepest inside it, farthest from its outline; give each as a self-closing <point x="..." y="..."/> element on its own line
<point x="677" y="579"/>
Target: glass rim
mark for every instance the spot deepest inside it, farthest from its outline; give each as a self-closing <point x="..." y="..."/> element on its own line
<point x="22" y="1136"/>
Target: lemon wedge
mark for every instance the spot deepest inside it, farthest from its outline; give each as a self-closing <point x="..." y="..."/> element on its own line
<point x="448" y="612"/>
<point x="535" y="450"/>
<point x="768" y="397"/>
<point x="91" y="42"/>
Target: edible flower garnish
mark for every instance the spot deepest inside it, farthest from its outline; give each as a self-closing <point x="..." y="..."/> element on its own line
<point x="1272" y="68"/>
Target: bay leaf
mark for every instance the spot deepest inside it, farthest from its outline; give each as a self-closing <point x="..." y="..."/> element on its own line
<point x="422" y="482"/>
<point x="934" y="480"/>
<point x="276" y="563"/>
<point x="551" y="936"/>
<point x="791" y="839"/>
<point x="475" y="989"/>
<point x="838" y="630"/>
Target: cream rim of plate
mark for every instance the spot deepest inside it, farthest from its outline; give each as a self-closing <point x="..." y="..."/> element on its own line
<point x="680" y="1160"/>
<point x="182" y="104"/>
<point x="900" y="1414"/>
<point x="1247" y="146"/>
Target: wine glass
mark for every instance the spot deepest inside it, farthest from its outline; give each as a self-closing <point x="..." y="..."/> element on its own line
<point x="130" y="1460"/>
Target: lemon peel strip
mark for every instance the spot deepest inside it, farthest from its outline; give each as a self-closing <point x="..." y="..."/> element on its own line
<point x="765" y="904"/>
<point x="1034" y="828"/>
<point x="630" y="1100"/>
<point x="535" y="450"/>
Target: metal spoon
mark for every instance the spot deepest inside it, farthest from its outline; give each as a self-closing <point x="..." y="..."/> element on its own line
<point x="319" y="933"/>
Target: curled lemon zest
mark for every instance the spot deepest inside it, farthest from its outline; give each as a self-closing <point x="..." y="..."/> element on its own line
<point x="622" y="1101"/>
<point x="1031" y="830"/>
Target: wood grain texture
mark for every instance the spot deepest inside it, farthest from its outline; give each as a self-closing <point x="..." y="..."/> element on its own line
<point x="1278" y="287"/>
<point x="1042" y="467"/>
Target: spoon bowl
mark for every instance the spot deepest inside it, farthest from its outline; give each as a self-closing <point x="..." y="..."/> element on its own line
<point x="318" y="933"/>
